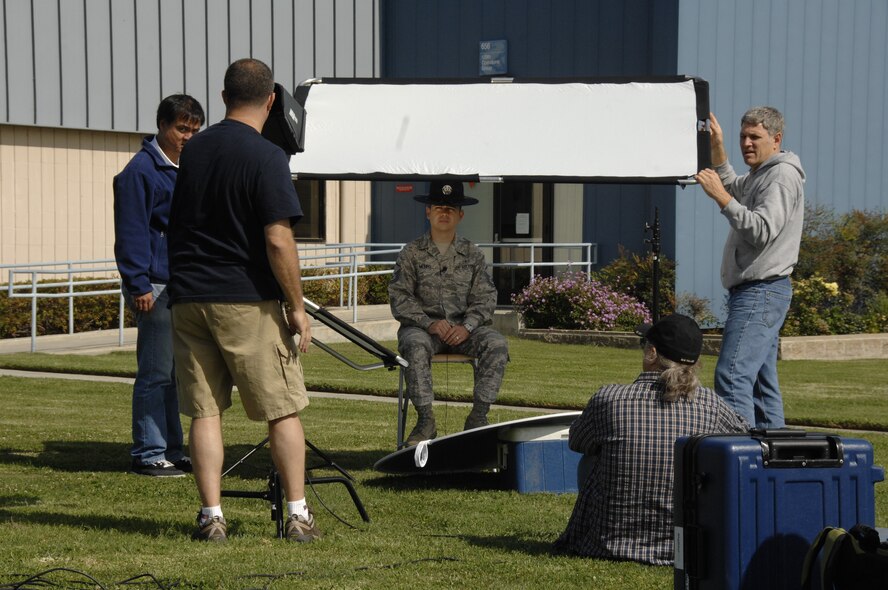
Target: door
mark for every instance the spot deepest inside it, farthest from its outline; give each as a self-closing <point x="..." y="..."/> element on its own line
<point x="522" y="215"/>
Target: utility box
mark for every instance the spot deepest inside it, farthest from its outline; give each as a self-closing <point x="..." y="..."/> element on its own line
<point x="537" y="459"/>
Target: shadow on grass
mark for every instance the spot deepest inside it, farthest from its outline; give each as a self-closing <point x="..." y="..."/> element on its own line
<point x="99" y="456"/>
<point x="130" y="524"/>
<point x="442" y="481"/>
<point x="72" y="456"/>
<point x="511" y="543"/>
<point x="258" y="463"/>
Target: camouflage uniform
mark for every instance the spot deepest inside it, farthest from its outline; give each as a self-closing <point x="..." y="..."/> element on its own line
<point x="456" y="286"/>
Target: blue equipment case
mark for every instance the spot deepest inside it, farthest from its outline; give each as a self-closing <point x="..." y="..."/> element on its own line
<point x="748" y="507"/>
<point x="538" y="459"/>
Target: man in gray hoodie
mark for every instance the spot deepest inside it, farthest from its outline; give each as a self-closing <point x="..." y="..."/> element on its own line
<point x="765" y="209"/>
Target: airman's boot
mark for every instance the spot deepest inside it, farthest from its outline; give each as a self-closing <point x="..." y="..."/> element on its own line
<point x="425" y="426"/>
<point x="478" y="416"/>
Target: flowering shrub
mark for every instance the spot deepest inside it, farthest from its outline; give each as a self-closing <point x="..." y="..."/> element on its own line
<point x="573" y="301"/>
<point x="820" y="307"/>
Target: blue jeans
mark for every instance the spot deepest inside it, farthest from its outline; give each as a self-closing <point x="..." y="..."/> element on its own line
<point x="157" y="430"/>
<point x="746" y="372"/>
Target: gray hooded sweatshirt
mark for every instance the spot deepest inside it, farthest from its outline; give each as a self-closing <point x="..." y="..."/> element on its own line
<point x="766" y="216"/>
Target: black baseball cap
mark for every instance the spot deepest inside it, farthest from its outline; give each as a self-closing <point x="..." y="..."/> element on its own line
<point x="676" y="337"/>
<point x="449" y="194"/>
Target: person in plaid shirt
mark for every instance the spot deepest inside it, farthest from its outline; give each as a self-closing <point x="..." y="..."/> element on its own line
<point x="627" y="433"/>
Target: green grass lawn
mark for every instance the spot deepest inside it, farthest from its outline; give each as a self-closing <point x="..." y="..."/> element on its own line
<point x="66" y="501"/>
<point x="829" y="394"/>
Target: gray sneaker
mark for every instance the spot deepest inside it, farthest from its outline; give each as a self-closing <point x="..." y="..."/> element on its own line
<point x="301" y="530"/>
<point x="213" y="529"/>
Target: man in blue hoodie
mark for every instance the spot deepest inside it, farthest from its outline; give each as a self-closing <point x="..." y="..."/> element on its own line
<point x="765" y="209"/>
<point x="143" y="192"/>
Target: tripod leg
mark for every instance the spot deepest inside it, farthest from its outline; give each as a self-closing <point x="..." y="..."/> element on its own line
<point x="328" y="462"/>
<point x="348" y="485"/>
<point x="276" y="496"/>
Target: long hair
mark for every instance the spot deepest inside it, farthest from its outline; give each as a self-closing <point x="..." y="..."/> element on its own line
<point x="680" y="380"/>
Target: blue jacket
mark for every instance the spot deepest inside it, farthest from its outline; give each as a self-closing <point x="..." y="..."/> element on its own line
<point x="143" y="192"/>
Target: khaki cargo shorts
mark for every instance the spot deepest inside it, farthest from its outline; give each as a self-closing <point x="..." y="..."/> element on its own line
<point x="217" y="345"/>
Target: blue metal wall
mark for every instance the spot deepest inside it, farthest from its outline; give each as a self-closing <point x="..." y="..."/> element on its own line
<point x="823" y="64"/>
<point x="556" y="38"/>
<point x="105" y="65"/>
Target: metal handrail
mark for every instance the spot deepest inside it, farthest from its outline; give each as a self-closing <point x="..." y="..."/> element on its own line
<point x="345" y="260"/>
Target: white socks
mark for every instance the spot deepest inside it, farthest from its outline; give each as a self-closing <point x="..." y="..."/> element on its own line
<point x="208" y="512"/>
<point x="299" y="508"/>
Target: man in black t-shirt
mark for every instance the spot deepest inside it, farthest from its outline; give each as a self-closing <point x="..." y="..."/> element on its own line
<point x="233" y="263"/>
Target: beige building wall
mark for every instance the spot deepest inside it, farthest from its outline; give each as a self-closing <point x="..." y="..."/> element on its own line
<point x="348" y="212"/>
<point x="56" y="197"/>
<point x="568" y="222"/>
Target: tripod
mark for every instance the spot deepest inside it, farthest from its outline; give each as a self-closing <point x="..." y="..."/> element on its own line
<point x="275" y="494"/>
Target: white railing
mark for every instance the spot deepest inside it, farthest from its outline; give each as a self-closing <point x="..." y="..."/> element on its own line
<point x="343" y="262"/>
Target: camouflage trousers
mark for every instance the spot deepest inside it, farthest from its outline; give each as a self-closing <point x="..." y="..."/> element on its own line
<point x="484" y="343"/>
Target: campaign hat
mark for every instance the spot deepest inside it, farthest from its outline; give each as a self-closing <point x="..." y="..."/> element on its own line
<point x="446" y="193"/>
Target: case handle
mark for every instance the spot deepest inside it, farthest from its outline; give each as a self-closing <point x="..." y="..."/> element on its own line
<point x="820" y="451"/>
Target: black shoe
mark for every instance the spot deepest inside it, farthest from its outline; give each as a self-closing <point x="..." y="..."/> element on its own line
<point x="184" y="464"/>
<point x="160" y="468"/>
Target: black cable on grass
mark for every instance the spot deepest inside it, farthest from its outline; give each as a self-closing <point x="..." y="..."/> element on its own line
<point x="328" y="509"/>
<point x="40" y="580"/>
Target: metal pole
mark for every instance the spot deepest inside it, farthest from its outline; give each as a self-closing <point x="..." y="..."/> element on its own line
<point x="654" y="241"/>
<point x="353" y="292"/>
<point x="120" y="314"/>
<point x="33" y="312"/>
<point x="70" y="299"/>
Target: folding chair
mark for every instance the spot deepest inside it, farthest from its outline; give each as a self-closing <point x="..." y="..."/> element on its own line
<point x="403" y="402"/>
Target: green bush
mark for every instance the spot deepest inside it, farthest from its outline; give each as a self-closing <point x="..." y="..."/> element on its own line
<point x="849" y="249"/>
<point x="631" y="274"/>
<point x="819" y="307"/>
<point x="99" y="312"/>
<point x="696" y="307"/>
<point x="840" y="283"/>
<point x="372" y="290"/>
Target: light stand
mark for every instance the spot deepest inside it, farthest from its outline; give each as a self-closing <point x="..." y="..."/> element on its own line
<point x="274" y="494"/>
<point x="654" y="241"/>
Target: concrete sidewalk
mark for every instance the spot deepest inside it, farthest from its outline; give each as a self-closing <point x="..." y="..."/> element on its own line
<point x="317" y="394"/>
<point x="373" y="320"/>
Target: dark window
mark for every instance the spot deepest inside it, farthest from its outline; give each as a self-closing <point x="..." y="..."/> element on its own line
<point x="312" y="226"/>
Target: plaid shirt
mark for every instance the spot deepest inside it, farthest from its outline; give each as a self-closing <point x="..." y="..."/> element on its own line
<point x="624" y="509"/>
